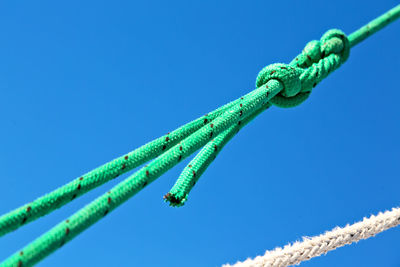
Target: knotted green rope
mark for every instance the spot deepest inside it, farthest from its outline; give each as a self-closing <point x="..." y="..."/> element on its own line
<point x="278" y="84"/>
<point x="318" y="59"/>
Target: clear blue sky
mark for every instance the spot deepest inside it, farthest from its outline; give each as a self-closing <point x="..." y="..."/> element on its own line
<point x="82" y="82"/>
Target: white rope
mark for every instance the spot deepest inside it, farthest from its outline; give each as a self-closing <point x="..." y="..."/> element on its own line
<point x="297" y="252"/>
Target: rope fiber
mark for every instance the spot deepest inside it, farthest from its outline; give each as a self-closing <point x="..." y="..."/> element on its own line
<point x="297" y="252"/>
<point x="282" y="85"/>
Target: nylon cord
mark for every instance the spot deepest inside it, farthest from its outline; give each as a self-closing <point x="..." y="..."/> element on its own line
<point x="374" y="26"/>
<point x="111" y="170"/>
<point x="279" y="84"/>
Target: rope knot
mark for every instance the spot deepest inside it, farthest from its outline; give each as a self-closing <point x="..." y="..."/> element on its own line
<point x="332" y="42"/>
<point x="317" y="60"/>
<point x="335" y="42"/>
<point x="287" y="75"/>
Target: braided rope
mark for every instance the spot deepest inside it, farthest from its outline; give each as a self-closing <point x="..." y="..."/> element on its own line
<point x="316" y="62"/>
<point x="311" y="54"/>
<point x="100" y="207"/>
<point x="192" y="172"/>
<point x="297" y="252"/>
<point x="111" y="170"/>
<point x="279" y="84"/>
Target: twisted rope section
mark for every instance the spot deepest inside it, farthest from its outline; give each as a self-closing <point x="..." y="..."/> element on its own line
<point x="297" y="252"/>
<point x="317" y="60"/>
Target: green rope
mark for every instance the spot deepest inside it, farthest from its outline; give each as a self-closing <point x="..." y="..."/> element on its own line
<point x="310" y="68"/>
<point x="65" y="194"/>
<point x="192" y="172"/>
<point x="374" y="26"/>
<point x="278" y="84"/>
<point x="312" y="54"/>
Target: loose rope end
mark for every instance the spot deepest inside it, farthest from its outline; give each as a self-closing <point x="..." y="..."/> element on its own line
<point x="173" y="200"/>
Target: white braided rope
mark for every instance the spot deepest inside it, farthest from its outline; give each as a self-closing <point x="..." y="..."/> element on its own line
<point x="297" y="252"/>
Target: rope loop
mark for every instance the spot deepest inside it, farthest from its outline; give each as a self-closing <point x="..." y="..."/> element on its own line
<point x="317" y="60"/>
<point x="287" y="75"/>
<point x="335" y="42"/>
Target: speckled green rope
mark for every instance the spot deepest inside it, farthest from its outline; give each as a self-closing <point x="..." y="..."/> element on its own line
<point x="311" y="54"/>
<point x="111" y="170"/>
<point x="192" y="172"/>
<point x="374" y="26"/>
<point x="279" y="84"/>
<point x="317" y="60"/>
<point x="65" y="194"/>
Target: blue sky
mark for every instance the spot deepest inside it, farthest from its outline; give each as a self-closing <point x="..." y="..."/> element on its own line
<point x="82" y="82"/>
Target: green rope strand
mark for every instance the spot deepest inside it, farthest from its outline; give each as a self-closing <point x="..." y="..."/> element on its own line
<point x="179" y="192"/>
<point x="97" y="209"/>
<point x="310" y="56"/>
<point x="93" y="212"/>
<point x="193" y="171"/>
<point x="111" y="170"/>
<point x="279" y="84"/>
<point x="374" y="26"/>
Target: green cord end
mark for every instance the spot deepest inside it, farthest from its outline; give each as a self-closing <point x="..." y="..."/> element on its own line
<point x="173" y="200"/>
